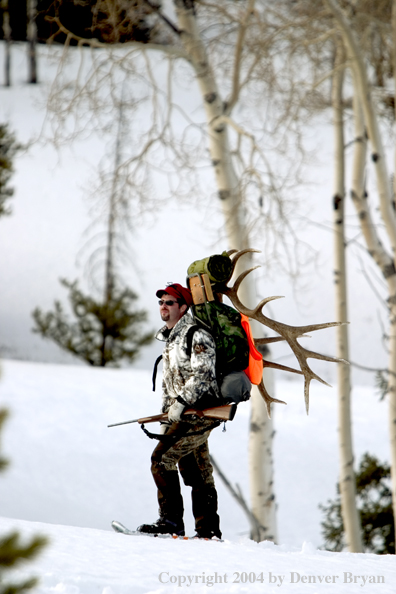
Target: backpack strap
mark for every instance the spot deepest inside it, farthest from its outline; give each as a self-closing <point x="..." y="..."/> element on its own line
<point x="157" y="362"/>
<point x="190" y="334"/>
<point x="189" y="338"/>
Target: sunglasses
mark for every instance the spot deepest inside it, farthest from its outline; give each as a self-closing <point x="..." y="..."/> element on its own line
<point x="168" y="303"/>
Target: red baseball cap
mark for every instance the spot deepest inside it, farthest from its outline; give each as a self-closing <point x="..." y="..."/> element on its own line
<point x="178" y="292"/>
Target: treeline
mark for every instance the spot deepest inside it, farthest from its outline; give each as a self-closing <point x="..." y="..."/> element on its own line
<point x="83" y="19"/>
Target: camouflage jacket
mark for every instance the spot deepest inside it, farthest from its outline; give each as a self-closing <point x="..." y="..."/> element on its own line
<point x="188" y="379"/>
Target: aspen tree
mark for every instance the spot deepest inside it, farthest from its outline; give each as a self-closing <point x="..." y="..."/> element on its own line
<point x="347" y="476"/>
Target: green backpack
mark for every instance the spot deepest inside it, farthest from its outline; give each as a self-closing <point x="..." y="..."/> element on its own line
<point x="224" y="324"/>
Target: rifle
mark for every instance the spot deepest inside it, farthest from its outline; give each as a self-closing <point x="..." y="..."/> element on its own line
<point x="221" y="413"/>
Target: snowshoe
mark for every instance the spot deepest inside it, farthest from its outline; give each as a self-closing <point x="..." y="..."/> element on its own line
<point x="163" y="526"/>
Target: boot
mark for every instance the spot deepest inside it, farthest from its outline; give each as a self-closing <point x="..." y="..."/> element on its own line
<point x="207" y="521"/>
<point x="207" y="533"/>
<point x="163" y="526"/>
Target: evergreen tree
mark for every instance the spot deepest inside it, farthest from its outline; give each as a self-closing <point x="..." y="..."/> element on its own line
<point x="374" y="501"/>
<point x="12" y="551"/>
<point x="131" y="19"/>
<point x="104" y="333"/>
<point x="8" y="149"/>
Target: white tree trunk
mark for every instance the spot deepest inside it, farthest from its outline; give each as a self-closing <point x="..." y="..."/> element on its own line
<point x="349" y="511"/>
<point x="392" y="330"/>
<point x="385" y="262"/>
<point x="261" y="470"/>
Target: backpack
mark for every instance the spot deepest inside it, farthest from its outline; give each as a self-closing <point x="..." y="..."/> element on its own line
<point x="225" y="325"/>
<point x="238" y="363"/>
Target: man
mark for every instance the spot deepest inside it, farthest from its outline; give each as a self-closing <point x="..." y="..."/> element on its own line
<point x="188" y="381"/>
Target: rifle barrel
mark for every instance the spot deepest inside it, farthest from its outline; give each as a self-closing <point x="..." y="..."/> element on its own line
<point x="123" y="423"/>
<point x="226" y="412"/>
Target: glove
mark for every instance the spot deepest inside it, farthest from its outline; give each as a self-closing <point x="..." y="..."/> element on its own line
<point x="175" y="412"/>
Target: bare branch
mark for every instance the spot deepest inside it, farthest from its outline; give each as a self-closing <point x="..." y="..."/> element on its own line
<point x="166" y="20"/>
<point x="238" y="58"/>
<point x="255" y="526"/>
<point x="175" y="51"/>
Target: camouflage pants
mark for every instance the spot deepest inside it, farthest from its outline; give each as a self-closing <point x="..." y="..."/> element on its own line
<point x="191" y="455"/>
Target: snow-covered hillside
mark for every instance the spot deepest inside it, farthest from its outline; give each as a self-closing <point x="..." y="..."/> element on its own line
<point x="74" y="475"/>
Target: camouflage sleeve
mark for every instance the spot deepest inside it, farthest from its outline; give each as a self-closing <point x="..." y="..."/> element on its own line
<point x="203" y="366"/>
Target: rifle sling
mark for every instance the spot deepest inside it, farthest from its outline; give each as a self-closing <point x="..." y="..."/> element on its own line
<point x="175" y="437"/>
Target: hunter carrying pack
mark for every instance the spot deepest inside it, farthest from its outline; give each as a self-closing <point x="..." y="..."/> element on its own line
<point x="231" y="331"/>
<point x="208" y="280"/>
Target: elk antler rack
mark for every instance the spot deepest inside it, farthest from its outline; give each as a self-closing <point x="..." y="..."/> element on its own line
<point x="288" y="333"/>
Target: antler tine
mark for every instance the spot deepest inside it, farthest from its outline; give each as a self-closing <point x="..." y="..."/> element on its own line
<point x="313" y="355"/>
<point x="271" y="339"/>
<point x="268" y="340"/>
<point x="306" y="394"/>
<point x="302" y="355"/>
<point x="263" y="302"/>
<point x="300" y="330"/>
<point x="240" y="254"/>
<point x="230" y="252"/>
<point x="242" y="277"/>
<point x="281" y="367"/>
<point x="267" y="398"/>
<point x="307" y="380"/>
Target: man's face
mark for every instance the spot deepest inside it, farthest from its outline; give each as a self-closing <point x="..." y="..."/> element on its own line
<point x="170" y="311"/>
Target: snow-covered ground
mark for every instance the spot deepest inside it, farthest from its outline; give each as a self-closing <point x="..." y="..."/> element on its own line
<point x="70" y="476"/>
<point x="88" y="561"/>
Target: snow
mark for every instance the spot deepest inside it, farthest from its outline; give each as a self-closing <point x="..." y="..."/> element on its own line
<point x="70" y="475"/>
<point x="93" y="561"/>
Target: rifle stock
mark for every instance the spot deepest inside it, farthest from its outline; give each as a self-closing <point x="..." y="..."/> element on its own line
<point x="220" y="413"/>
